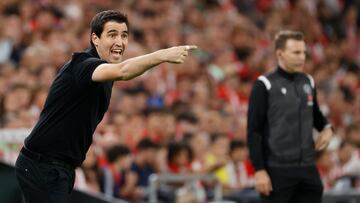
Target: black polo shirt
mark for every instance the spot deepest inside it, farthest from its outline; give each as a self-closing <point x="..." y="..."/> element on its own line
<point x="74" y="107"/>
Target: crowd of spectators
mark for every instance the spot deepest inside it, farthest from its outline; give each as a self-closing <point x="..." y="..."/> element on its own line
<point x="188" y="118"/>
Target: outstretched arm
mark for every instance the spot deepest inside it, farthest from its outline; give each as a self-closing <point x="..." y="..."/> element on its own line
<point x="136" y="66"/>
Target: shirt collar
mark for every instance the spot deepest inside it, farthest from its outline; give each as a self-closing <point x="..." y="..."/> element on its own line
<point x="285" y="74"/>
<point x="92" y="51"/>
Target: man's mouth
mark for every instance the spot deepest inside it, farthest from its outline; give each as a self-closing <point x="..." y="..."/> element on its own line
<point x="117" y="52"/>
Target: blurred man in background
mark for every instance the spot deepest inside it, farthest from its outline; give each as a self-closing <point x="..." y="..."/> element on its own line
<point x="117" y="178"/>
<point x="283" y="110"/>
<point x="144" y="163"/>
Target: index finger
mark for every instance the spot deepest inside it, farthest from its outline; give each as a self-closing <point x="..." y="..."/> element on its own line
<point x="190" y="47"/>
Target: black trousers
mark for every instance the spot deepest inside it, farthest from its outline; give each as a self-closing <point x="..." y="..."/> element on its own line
<point x="294" y="185"/>
<point x="42" y="181"/>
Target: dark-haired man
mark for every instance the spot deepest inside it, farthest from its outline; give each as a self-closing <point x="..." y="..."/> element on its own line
<point x="282" y="113"/>
<point x="117" y="179"/>
<point x="144" y="163"/>
<point x="76" y="103"/>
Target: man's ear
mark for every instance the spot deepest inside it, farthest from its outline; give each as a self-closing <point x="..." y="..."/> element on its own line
<point x="95" y="39"/>
<point x="278" y="53"/>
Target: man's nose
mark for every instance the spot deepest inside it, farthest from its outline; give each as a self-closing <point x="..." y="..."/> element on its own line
<point x="303" y="56"/>
<point x="119" y="43"/>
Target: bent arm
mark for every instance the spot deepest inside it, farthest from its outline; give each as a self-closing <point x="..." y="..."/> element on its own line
<point x="320" y="122"/>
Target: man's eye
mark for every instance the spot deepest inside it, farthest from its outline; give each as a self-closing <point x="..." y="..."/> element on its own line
<point x="124" y="36"/>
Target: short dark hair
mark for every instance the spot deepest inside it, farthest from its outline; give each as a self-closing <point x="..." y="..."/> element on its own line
<point x="284" y="35"/>
<point x="237" y="144"/>
<point x="216" y="136"/>
<point x="117" y="151"/>
<point x="100" y="19"/>
<point x="175" y="148"/>
<point x="146" y="144"/>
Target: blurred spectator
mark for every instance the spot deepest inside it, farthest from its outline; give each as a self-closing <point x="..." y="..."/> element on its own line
<point x="334" y="167"/>
<point x="144" y="163"/>
<point x="118" y="180"/>
<point x="239" y="169"/>
<point x="348" y="158"/>
<point x="199" y="144"/>
<point x="89" y="176"/>
<point x="187" y="122"/>
<point x="349" y="165"/>
<point x="179" y="158"/>
<point x="161" y="126"/>
<point x="327" y="169"/>
<point x="218" y="156"/>
<point x="353" y="135"/>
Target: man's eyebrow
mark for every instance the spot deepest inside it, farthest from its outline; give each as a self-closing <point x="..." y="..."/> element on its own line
<point x="115" y="31"/>
<point x="111" y="31"/>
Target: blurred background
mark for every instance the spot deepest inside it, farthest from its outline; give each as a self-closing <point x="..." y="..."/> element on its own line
<point x="183" y="120"/>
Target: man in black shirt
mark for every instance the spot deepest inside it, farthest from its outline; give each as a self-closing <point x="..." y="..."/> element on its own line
<point x="282" y="113"/>
<point x="76" y="103"/>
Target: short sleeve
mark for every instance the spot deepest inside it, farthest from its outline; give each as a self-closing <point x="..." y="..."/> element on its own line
<point x="84" y="69"/>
